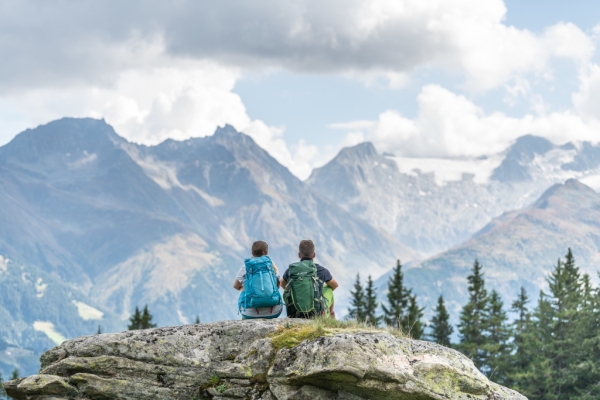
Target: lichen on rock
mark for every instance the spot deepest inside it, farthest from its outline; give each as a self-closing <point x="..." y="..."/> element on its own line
<point x="255" y="359"/>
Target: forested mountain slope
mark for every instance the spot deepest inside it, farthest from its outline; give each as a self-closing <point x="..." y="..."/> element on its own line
<point x="516" y="249"/>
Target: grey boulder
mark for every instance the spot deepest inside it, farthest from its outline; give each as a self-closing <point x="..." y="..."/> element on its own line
<point x="258" y="360"/>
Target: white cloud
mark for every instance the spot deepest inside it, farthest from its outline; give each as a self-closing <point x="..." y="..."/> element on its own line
<point x="158" y="70"/>
<point x="55" y="43"/>
<point x="450" y="125"/>
<point x="587" y="99"/>
<point x="188" y="99"/>
<point x="298" y="158"/>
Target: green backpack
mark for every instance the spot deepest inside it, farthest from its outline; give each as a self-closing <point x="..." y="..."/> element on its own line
<point x="303" y="294"/>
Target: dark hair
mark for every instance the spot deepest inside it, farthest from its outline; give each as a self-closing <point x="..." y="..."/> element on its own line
<point x="260" y="248"/>
<point x="306" y="249"/>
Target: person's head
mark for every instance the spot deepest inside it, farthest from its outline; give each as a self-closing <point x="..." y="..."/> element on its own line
<point x="260" y="248"/>
<point x="306" y="249"/>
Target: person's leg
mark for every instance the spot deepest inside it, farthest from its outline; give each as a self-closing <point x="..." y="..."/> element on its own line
<point x="328" y="296"/>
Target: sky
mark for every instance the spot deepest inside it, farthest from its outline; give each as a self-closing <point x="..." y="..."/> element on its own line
<point x="418" y="78"/>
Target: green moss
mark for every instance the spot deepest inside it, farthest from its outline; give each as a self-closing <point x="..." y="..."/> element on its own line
<point x="250" y="353"/>
<point x="446" y="381"/>
<point x="259" y="378"/>
<point x="221" y="388"/>
<point x="292" y="334"/>
<point x="212" y="382"/>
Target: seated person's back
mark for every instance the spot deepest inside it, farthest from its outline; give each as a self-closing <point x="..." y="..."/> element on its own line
<point x="268" y="303"/>
<point x="306" y="252"/>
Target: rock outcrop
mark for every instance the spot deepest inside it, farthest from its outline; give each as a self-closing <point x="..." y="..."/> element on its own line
<point x="260" y="360"/>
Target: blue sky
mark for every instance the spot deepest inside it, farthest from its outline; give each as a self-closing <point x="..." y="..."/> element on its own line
<point x="536" y="15"/>
<point x="452" y="78"/>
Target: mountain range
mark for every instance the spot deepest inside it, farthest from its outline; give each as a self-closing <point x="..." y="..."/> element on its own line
<point x="92" y="226"/>
<point x="433" y="204"/>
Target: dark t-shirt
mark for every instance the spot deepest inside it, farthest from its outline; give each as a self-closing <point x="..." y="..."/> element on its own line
<point x="322" y="272"/>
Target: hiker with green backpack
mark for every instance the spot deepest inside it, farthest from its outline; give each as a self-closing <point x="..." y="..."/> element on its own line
<point x="308" y="286"/>
<point x="259" y="285"/>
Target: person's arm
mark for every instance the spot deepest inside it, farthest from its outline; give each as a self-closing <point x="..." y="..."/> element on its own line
<point x="237" y="285"/>
<point x="332" y="284"/>
<point x="283" y="283"/>
<point x="276" y="273"/>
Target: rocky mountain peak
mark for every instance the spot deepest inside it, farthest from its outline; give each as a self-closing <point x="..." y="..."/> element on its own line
<point x="359" y="153"/>
<point x="227" y="132"/>
<point x="514" y="166"/>
<point x="526" y="147"/>
<point x="572" y="195"/>
<point x="587" y="157"/>
<point x="67" y="136"/>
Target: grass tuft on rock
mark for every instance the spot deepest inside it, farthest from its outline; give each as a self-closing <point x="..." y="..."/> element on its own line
<point x="292" y="333"/>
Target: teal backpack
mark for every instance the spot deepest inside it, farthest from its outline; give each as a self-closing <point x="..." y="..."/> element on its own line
<point x="303" y="294"/>
<point x="260" y="287"/>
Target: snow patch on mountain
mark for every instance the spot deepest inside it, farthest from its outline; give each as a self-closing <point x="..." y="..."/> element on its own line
<point x="226" y="238"/>
<point x="83" y="161"/>
<point x="87" y="312"/>
<point x="4" y="263"/>
<point x="447" y="170"/>
<point x="182" y="318"/>
<point x="48" y="328"/>
<point x="40" y="288"/>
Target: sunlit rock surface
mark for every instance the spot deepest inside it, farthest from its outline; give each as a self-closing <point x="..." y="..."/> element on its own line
<point x="244" y="359"/>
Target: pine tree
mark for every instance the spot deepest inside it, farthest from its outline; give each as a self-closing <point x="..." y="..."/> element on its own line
<point x="197" y="320"/>
<point x="412" y="322"/>
<point x="357" y="309"/>
<point x="588" y="379"/>
<point x="371" y="305"/>
<point x="441" y="329"/>
<point x="498" y="347"/>
<point x="135" y="320"/>
<point x="146" y="321"/>
<point x="521" y="327"/>
<point x="2" y="391"/>
<point x="561" y="347"/>
<point x="99" y="330"/>
<point x="398" y="298"/>
<point x="141" y="320"/>
<point x="15" y="374"/>
<point x="472" y="318"/>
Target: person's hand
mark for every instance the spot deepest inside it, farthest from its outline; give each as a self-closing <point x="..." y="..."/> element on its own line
<point x="237" y="285"/>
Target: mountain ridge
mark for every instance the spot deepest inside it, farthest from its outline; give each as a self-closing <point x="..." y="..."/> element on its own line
<point x="434" y="204"/>
<point x="516" y="249"/>
<point x="110" y="224"/>
<point x="93" y="226"/>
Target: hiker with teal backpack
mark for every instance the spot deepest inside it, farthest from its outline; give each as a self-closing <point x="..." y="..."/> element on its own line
<point x="259" y="283"/>
<point x="308" y="286"/>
